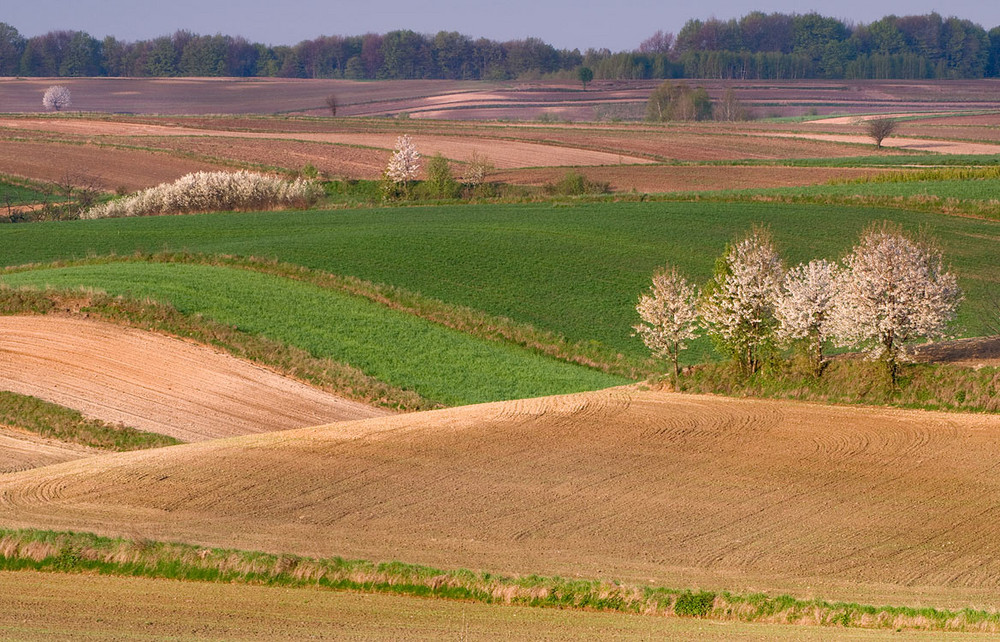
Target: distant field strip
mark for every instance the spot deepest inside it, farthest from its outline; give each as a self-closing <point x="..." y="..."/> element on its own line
<point x="572" y="269"/>
<point x="439" y="363"/>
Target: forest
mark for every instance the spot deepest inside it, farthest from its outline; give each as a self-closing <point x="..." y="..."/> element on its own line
<point x="772" y="46"/>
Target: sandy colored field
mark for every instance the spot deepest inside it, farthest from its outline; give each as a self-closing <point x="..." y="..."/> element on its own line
<point x="156" y="383"/>
<point x="504" y="153"/>
<point x="36" y="606"/>
<point x="21" y="450"/>
<point x="109" y="168"/>
<point x="866" y="504"/>
<point x="913" y="144"/>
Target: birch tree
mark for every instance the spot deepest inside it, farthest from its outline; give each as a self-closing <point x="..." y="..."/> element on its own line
<point x="669" y="316"/>
<point x="808" y="295"/>
<point x="738" y="303"/>
<point x="895" y="290"/>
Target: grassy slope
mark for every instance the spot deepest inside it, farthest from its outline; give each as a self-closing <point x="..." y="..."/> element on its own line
<point x="438" y="363"/>
<point x="574" y="269"/>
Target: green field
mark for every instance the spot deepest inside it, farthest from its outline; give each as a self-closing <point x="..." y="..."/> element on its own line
<point x="573" y="269"/>
<point x="15" y="192"/>
<point x="440" y="364"/>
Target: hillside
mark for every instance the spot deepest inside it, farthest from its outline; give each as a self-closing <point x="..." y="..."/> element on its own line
<point x="623" y="483"/>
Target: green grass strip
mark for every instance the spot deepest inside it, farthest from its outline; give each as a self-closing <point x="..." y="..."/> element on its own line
<point x="438" y="363"/>
<point x="68" y="552"/>
<point x="68" y="425"/>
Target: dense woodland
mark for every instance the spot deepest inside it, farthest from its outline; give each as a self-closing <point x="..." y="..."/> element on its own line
<point x="757" y="46"/>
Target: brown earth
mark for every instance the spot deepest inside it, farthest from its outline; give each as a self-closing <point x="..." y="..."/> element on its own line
<point x="976" y="352"/>
<point x="860" y="503"/>
<point x="48" y="606"/>
<point x="21" y="450"/>
<point x="156" y="383"/>
<point x="912" y="144"/>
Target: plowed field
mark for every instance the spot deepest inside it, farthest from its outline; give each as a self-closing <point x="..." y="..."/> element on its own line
<point x="156" y="383"/>
<point x="648" y="486"/>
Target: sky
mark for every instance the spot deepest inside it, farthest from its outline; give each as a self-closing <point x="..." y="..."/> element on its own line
<point x="618" y="25"/>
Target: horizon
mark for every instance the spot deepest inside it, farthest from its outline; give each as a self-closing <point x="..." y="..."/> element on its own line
<point x="557" y="23"/>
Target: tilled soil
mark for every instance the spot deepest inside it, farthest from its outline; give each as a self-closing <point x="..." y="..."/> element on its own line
<point x="639" y="485"/>
<point x="157" y="383"/>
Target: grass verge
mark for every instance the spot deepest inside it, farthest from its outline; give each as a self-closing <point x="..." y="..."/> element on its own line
<point x="855" y="381"/>
<point x="69" y="552"/>
<point x="51" y="420"/>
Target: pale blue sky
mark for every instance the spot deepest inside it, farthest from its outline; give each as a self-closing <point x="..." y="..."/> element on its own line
<point x="615" y="24"/>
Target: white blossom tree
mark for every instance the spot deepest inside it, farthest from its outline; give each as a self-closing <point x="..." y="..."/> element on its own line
<point x="808" y="296"/>
<point x="404" y="163"/>
<point x="738" y="303"/>
<point x="894" y="290"/>
<point x="56" y="97"/>
<point x="669" y="316"/>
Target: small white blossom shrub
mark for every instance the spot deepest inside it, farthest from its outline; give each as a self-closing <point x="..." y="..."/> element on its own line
<point x="56" y="97"/>
<point x="212" y="192"/>
<point x="404" y="163"/>
<point x="669" y="316"/>
<point x="738" y="304"/>
<point x="808" y="296"/>
<point x="893" y="291"/>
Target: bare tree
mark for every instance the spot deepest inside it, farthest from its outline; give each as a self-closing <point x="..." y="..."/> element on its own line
<point x="331" y="104"/>
<point x="894" y="290"/>
<point x="478" y="169"/>
<point x="56" y="97"/>
<point x="669" y="316"/>
<point x="878" y="129"/>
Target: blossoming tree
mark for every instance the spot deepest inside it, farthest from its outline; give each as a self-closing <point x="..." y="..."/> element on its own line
<point x="808" y="295"/>
<point x="669" y="316"/>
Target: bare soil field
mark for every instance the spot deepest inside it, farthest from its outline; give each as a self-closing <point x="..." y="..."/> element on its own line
<point x="156" y="383"/>
<point x="21" y="450"/>
<point x="898" y="142"/>
<point x="107" y="167"/>
<point x="864" y="504"/>
<point x="465" y="100"/>
<point x="92" y="607"/>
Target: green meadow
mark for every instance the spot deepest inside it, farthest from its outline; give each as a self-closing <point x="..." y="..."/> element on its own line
<point x="438" y="363"/>
<point x="574" y="269"/>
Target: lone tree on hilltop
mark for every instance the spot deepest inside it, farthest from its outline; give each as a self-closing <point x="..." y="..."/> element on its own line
<point x="878" y="129"/>
<point x="669" y="316"/>
<point x="894" y="290"/>
<point x="331" y="104"/>
<point x="56" y="97"/>
<point x="585" y="74"/>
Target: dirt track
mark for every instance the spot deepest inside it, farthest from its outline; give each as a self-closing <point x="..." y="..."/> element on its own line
<point x="647" y="486"/>
<point x="156" y="383"/>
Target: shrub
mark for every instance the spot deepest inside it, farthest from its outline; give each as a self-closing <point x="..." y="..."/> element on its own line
<point x="576" y="184"/>
<point x="211" y="192"/>
<point x="440" y="183"/>
<point x="694" y="604"/>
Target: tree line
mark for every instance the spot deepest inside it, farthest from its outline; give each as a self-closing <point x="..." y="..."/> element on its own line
<point x="772" y="46"/>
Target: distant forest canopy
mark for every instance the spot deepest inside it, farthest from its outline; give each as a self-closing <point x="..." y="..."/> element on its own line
<point x="757" y="46"/>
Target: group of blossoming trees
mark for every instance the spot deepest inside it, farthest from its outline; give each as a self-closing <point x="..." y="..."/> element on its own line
<point x="891" y="290"/>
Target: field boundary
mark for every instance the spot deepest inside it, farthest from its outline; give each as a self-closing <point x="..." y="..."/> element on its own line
<point x="456" y="317"/>
<point x="84" y="553"/>
<point x="326" y="374"/>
